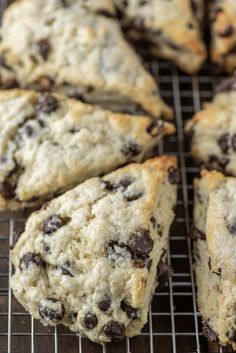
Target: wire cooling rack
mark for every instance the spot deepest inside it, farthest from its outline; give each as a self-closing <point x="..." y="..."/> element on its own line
<point x="174" y="324"/>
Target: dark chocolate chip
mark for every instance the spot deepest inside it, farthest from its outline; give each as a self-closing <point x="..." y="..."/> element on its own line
<point x="65" y="269"/>
<point x="130" y="312"/>
<point x="29" y="130"/>
<point x="233" y="142"/>
<point x="43" y="48"/>
<point x="114" y="330"/>
<point x="105" y="304"/>
<point x="7" y="190"/>
<point x="133" y="197"/>
<point x="125" y="182"/>
<point x="72" y="316"/>
<point x="31" y="258"/>
<point x="226" y="32"/>
<point x="208" y="332"/>
<point x="16" y="237"/>
<point x="53" y="223"/>
<point x="173" y="175"/>
<point x="196" y="234"/>
<point x="227" y="85"/>
<point x="51" y="312"/>
<point x="46" y="248"/>
<point x="90" y="321"/>
<point x="153" y="221"/>
<point x="232" y="227"/>
<point x="164" y="272"/>
<point x="141" y="242"/>
<point x="223" y="142"/>
<point x="108" y="185"/>
<point x="74" y="130"/>
<point x="47" y="103"/>
<point x="154" y="128"/>
<point x="131" y="149"/>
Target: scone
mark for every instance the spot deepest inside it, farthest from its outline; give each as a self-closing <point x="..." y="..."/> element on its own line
<point x="76" y="47"/>
<point x="212" y="131"/>
<point x="222" y="22"/>
<point x="214" y="244"/>
<point x="49" y="143"/>
<point x="88" y="259"/>
<point x="172" y="28"/>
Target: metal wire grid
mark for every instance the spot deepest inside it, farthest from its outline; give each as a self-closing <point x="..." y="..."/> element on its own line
<point x="174" y="324"/>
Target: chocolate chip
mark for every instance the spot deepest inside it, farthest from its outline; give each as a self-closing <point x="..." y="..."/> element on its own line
<point x="53" y="223"/>
<point x="173" y="175"/>
<point x="141" y="242"/>
<point x="108" y="185"/>
<point x="16" y="237"/>
<point x="105" y="304"/>
<point x="51" y="310"/>
<point x="114" y="330"/>
<point x="130" y="312"/>
<point x="208" y="332"/>
<point x="209" y="263"/>
<point x="125" y="182"/>
<point x="154" y="128"/>
<point x="153" y="221"/>
<point x="164" y="272"/>
<point x="227" y="85"/>
<point x="223" y="142"/>
<point x="43" y="48"/>
<point x="196" y="234"/>
<point x="233" y="142"/>
<point x="105" y="13"/>
<point x="47" y="103"/>
<point x="29" y="130"/>
<point x="31" y="258"/>
<point x="133" y="197"/>
<point x="131" y="149"/>
<point x="46" y="248"/>
<point x="90" y="321"/>
<point x="218" y="162"/>
<point x="7" y="190"/>
<point x="232" y="227"/>
<point x="65" y="269"/>
<point x="226" y="32"/>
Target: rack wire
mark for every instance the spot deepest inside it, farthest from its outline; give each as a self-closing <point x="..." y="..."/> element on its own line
<point x="174" y="324"/>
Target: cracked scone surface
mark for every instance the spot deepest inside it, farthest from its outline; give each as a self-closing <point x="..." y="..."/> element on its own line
<point x="88" y="259"/>
<point x="214" y="244"/>
<point x="49" y="143"/>
<point x="79" y="50"/>
<point x="172" y="28"/>
<point x="222" y="19"/>
<point x="212" y="131"/>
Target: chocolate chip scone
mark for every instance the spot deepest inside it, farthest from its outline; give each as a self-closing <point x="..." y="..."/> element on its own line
<point x="49" y="143"/>
<point x="222" y="19"/>
<point x="212" y="131"/>
<point x="88" y="259"/>
<point x="172" y="28"/>
<point x="214" y="244"/>
<point x="77" y="48"/>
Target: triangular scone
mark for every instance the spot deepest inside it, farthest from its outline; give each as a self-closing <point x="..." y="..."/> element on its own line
<point x="171" y="27"/>
<point x="213" y="130"/>
<point x="78" y="51"/>
<point x="214" y="243"/>
<point x="49" y="143"/>
<point x="88" y="259"/>
<point x="222" y="19"/>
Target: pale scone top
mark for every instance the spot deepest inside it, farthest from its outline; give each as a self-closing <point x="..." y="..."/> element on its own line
<point x="46" y="43"/>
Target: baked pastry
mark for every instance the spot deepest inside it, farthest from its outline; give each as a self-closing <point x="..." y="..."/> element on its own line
<point x="214" y="244"/>
<point x="213" y="130"/>
<point x="172" y="28"/>
<point x="77" y="48"/>
<point x="49" y="143"/>
<point x="222" y="19"/>
<point x="88" y="259"/>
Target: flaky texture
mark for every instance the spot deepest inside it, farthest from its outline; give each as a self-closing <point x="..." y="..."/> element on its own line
<point x="215" y="256"/>
<point x="88" y="259"/>
<point x="77" y="48"/>
<point x="222" y="21"/>
<point x="212" y="131"/>
<point x="172" y="28"/>
<point x="49" y="143"/>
